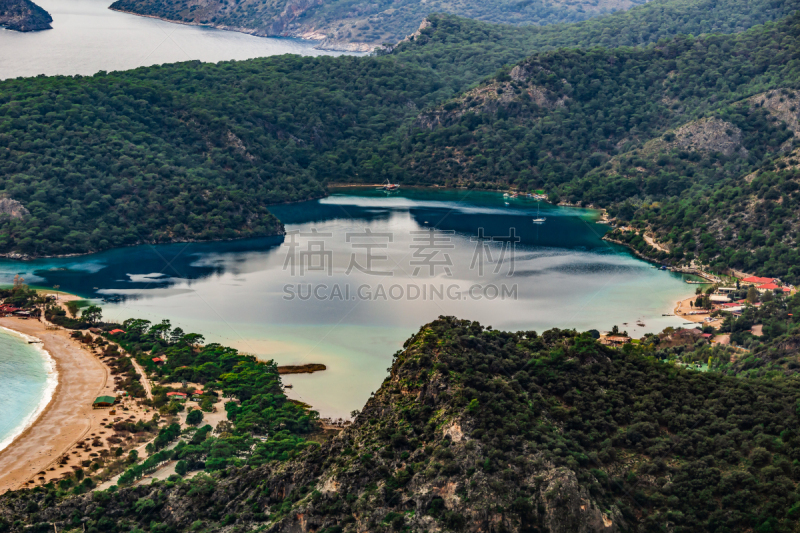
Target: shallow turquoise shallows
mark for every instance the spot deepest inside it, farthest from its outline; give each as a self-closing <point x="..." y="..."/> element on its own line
<point x="27" y="380"/>
<point x="353" y="312"/>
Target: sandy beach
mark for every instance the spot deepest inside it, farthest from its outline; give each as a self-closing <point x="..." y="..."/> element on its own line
<point x="68" y="417"/>
<point x="682" y="309"/>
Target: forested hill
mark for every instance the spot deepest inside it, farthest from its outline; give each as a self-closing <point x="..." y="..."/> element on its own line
<point x="354" y="25"/>
<point x="676" y="136"/>
<point x="482" y="430"/>
<point x="23" y="15"/>
<point x="486" y="47"/>
<point x="197" y="151"/>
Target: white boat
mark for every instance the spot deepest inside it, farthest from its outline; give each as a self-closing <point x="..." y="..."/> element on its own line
<point x="390" y="186"/>
<point x="538" y="219"/>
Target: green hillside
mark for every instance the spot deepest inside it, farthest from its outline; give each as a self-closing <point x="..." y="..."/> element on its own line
<point x="347" y="22"/>
<point x="475" y="428"/>
<point x="196" y="151"/>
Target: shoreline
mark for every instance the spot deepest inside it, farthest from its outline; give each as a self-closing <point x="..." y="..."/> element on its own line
<point x="255" y="33"/>
<point x="68" y="415"/>
<point x="51" y="387"/>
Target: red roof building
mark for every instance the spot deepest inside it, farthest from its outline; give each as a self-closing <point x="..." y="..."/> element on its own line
<point x="158" y="360"/>
<point x="757" y="281"/>
<point x="115" y="331"/>
<point x="180" y="395"/>
<point x="198" y="391"/>
<point x="771" y="287"/>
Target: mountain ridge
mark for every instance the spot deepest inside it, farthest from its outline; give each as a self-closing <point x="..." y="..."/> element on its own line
<point x="476" y="429"/>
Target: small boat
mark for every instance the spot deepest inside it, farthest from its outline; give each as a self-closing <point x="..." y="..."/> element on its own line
<point x="507" y="203"/>
<point x="505" y="195"/>
<point x="390" y="186"/>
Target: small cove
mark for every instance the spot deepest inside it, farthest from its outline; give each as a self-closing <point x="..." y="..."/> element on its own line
<point x="235" y="293"/>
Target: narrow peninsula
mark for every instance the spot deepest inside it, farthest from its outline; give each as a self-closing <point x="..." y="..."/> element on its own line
<point x="23" y="15"/>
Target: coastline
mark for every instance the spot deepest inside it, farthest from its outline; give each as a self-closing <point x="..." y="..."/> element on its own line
<point x="321" y="41"/>
<point x="68" y="415"/>
<point x="50" y="389"/>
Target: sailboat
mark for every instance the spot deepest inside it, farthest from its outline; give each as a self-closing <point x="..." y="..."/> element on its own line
<point x="538" y="219"/>
<point x="390" y="186"/>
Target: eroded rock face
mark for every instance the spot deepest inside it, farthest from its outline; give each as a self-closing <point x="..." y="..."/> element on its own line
<point x="12" y="208"/>
<point x="490" y="98"/>
<point x="570" y="509"/>
<point x="710" y="135"/>
<point x="783" y="104"/>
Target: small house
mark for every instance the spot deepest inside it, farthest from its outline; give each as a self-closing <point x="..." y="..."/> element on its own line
<point x="116" y="331"/>
<point x="176" y="395"/>
<point x="103" y="401"/>
<point x="771" y="287"/>
<point x="158" y="360"/>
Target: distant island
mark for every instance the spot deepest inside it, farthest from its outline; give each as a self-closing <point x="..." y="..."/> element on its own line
<point x="23" y="15"/>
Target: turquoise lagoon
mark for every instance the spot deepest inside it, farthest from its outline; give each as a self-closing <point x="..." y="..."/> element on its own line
<point x="245" y="293"/>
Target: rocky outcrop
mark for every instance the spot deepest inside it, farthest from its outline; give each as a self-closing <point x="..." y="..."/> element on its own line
<point x="710" y="135"/>
<point x="301" y="369"/>
<point x="569" y="507"/>
<point x="12" y="208"/>
<point x="23" y="15"/>
<point x="341" y="45"/>
<point x="490" y="98"/>
<point x="783" y="104"/>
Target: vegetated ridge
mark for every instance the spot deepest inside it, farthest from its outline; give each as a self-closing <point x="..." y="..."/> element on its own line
<point x="196" y="151"/>
<point x="356" y="26"/>
<point x="476" y="429"/>
<point x="23" y="15"/>
<point x="702" y="161"/>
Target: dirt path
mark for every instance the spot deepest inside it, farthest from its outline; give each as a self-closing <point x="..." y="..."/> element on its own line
<point x="144" y="380"/>
<point x="652" y="242"/>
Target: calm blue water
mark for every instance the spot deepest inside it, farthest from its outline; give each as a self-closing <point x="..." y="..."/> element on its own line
<point x="88" y="37"/>
<point x="27" y="380"/>
<point x="244" y="293"/>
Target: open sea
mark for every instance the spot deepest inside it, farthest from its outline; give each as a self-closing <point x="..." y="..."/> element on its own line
<point x="361" y="270"/>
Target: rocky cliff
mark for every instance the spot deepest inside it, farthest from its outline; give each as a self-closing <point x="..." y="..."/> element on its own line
<point x="23" y="15"/>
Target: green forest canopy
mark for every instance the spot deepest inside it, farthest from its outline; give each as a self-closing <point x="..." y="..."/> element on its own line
<point x="196" y="151"/>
